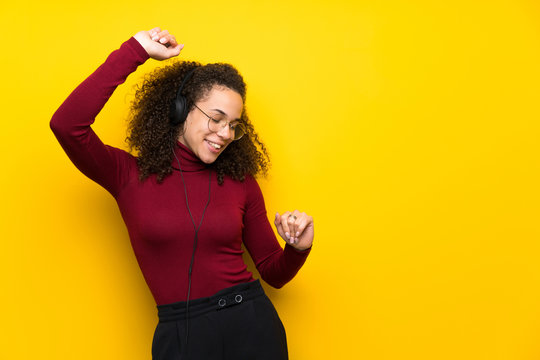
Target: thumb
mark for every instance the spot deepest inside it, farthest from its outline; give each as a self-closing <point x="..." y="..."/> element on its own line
<point x="277" y="219"/>
<point x="174" y="50"/>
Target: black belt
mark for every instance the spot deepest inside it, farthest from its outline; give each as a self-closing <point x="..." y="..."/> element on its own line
<point x="225" y="298"/>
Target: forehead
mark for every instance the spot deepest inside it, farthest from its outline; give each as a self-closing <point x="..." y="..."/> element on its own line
<point x="224" y="99"/>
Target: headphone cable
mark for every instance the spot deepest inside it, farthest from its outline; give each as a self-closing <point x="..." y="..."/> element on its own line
<point x="194" y="239"/>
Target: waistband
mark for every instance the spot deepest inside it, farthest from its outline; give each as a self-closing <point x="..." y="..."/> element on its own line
<point x="225" y="298"/>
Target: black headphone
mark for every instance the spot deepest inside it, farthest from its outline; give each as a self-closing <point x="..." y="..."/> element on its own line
<point x="179" y="107"/>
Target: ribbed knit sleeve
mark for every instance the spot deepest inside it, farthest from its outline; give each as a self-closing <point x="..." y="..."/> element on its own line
<point x="71" y="123"/>
<point x="276" y="265"/>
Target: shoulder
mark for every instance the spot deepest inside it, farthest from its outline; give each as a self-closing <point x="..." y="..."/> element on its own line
<point x="121" y="155"/>
<point x="253" y="192"/>
<point x="251" y="184"/>
<point x="247" y="189"/>
<point x="126" y="163"/>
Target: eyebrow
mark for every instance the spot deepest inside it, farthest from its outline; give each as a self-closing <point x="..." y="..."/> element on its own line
<point x="224" y="113"/>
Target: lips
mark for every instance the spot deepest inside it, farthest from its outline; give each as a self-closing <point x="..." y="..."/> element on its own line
<point x="214" y="147"/>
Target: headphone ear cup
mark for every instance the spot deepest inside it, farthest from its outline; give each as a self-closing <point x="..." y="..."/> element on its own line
<point x="180" y="107"/>
<point x="179" y="110"/>
<point x="185" y="108"/>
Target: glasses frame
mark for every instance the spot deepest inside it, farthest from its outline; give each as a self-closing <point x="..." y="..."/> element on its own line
<point x="228" y="123"/>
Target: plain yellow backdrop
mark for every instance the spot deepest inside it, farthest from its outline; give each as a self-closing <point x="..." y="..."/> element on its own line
<point x="408" y="129"/>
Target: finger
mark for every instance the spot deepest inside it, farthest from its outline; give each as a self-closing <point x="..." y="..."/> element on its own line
<point x="167" y="40"/>
<point x="277" y="219"/>
<point x="285" y="225"/>
<point x="279" y="228"/>
<point x="175" y="50"/>
<point x="303" y="223"/>
<point x="297" y="217"/>
<point x="291" y="222"/>
<point x="163" y="36"/>
<point x="173" y="43"/>
<point x="153" y="33"/>
<point x="158" y="35"/>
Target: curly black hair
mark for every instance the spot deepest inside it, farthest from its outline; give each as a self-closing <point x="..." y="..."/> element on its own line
<point x="152" y="134"/>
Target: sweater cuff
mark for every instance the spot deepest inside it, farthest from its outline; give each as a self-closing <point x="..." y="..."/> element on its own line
<point x="137" y="49"/>
<point x="299" y="252"/>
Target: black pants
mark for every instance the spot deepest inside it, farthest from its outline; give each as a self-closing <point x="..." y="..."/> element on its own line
<point x="239" y="322"/>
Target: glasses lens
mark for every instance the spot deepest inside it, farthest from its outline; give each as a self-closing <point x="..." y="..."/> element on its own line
<point x="216" y="125"/>
<point x="213" y="125"/>
<point x="238" y="131"/>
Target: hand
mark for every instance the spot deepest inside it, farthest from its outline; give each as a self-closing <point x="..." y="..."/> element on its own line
<point x="160" y="45"/>
<point x="295" y="228"/>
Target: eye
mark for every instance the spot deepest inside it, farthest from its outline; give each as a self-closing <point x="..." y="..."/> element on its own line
<point x="215" y="121"/>
<point x="233" y="126"/>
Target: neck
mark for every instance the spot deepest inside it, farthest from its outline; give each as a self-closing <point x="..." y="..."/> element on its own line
<point x="187" y="159"/>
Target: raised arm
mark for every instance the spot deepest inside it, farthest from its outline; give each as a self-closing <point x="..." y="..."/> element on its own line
<point x="275" y="264"/>
<point x="71" y="123"/>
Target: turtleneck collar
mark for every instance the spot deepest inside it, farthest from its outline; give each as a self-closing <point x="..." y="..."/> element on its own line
<point x="188" y="160"/>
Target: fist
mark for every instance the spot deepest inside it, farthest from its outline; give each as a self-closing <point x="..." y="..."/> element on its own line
<point x="296" y="228"/>
<point x="160" y="45"/>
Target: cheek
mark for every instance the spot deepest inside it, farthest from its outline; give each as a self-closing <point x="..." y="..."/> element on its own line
<point x="186" y="129"/>
<point x="200" y="128"/>
<point x="194" y="131"/>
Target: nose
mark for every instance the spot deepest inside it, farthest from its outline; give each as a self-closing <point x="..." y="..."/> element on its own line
<point x="225" y="132"/>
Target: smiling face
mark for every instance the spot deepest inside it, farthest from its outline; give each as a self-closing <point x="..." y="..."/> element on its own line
<point x="220" y="103"/>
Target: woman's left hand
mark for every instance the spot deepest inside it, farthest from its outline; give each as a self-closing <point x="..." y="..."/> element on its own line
<point x="296" y="228"/>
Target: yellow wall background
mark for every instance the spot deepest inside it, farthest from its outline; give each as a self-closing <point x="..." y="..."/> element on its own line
<point x="408" y="129"/>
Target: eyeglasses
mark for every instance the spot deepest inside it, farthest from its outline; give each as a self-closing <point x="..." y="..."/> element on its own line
<point x="236" y="129"/>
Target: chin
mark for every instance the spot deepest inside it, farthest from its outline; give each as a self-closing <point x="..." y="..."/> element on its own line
<point x="209" y="159"/>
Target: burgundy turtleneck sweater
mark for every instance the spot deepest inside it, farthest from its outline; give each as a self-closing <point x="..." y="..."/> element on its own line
<point x="156" y="215"/>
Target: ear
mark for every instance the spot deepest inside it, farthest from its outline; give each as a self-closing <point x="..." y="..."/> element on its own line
<point x="189" y="118"/>
<point x="184" y="125"/>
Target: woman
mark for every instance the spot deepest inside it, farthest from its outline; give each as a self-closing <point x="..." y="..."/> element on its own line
<point x="189" y="200"/>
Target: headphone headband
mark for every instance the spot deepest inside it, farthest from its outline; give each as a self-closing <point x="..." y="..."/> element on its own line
<point x="179" y="108"/>
<point x="186" y="78"/>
